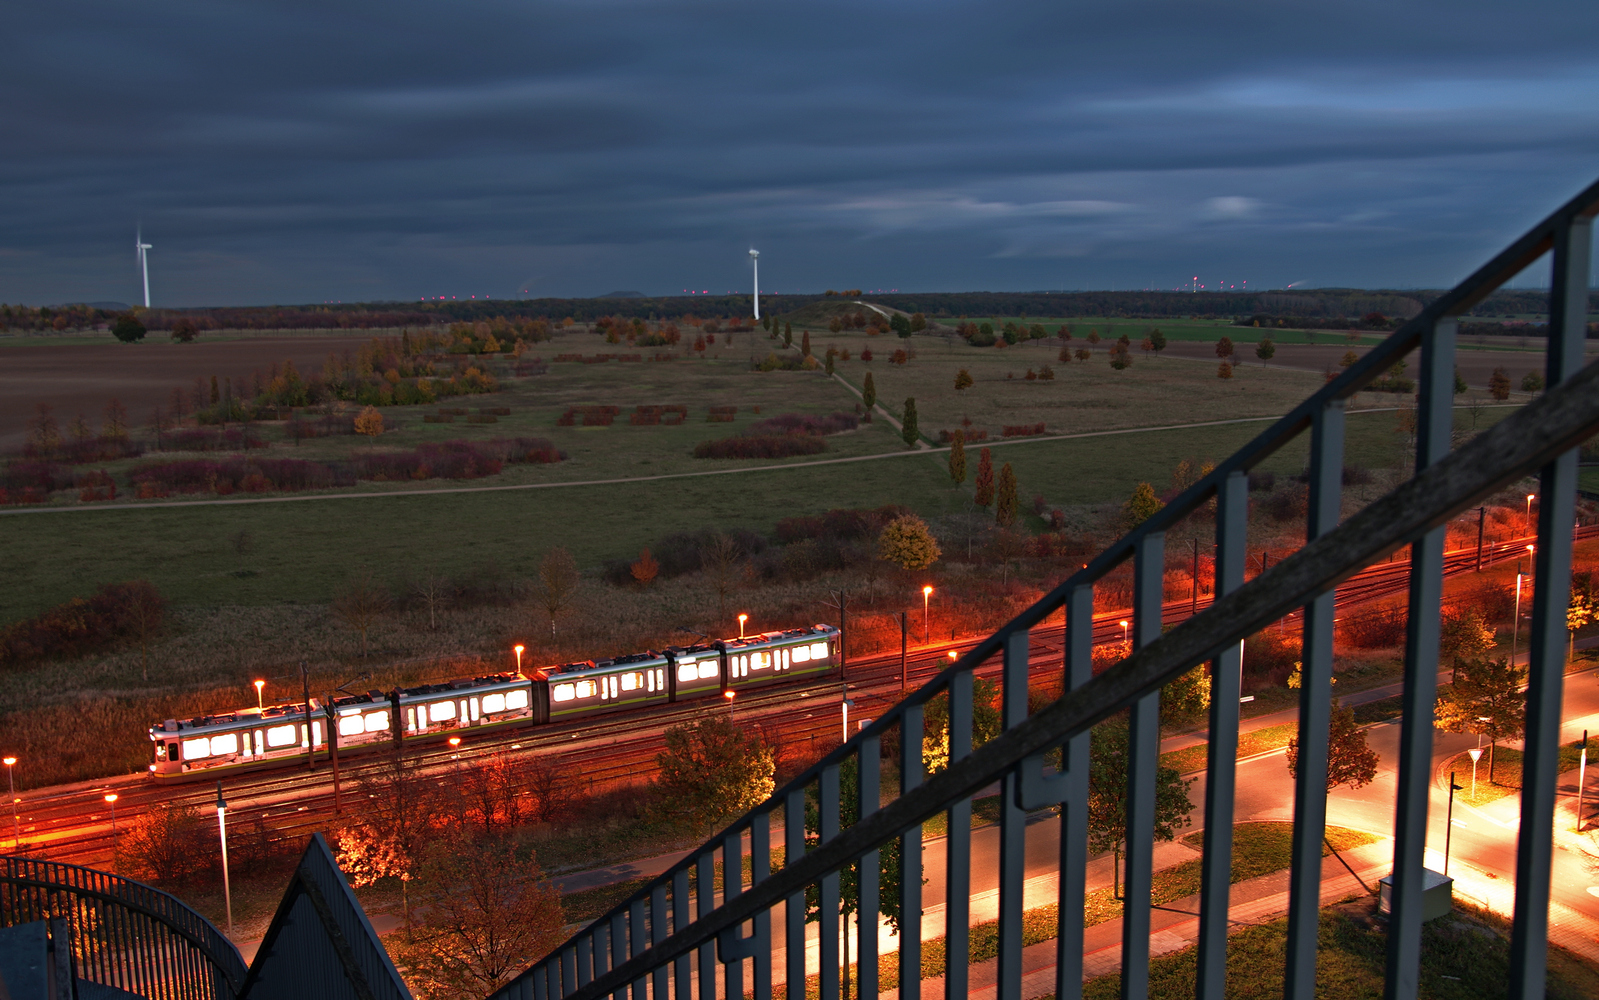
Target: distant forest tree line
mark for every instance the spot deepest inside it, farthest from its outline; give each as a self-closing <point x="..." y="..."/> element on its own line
<point x="1308" y="308"/>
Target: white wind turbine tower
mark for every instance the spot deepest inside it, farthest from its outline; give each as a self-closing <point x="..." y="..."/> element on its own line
<point x="755" y="257"/>
<point x="141" y="246"/>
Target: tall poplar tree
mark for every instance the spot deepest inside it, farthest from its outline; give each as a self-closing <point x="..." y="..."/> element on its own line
<point x="908" y="429"/>
<point x="957" y="458"/>
<point x="1006" y="504"/>
<point x="985" y="478"/>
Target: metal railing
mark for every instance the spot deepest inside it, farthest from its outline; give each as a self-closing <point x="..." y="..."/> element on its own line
<point x="674" y="938"/>
<point x="123" y="934"/>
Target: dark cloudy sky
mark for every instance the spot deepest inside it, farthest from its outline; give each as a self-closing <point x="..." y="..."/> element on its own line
<point x="307" y="151"/>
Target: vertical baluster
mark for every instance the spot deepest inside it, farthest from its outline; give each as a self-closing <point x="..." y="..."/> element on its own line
<point x="541" y="982"/>
<point x="619" y="949"/>
<point x="683" y="988"/>
<point x="794" y="906"/>
<point x="1221" y="762"/>
<point x="637" y="942"/>
<point x="1557" y="485"/>
<point x="958" y="848"/>
<point x="604" y="957"/>
<point x="1012" y="824"/>
<point x="1315" y="703"/>
<point x="568" y="970"/>
<point x="705" y="875"/>
<point x="1143" y="753"/>
<point x="1434" y="428"/>
<point x="910" y="859"/>
<point x="1079" y="669"/>
<point x="585" y="961"/>
<point x="659" y="929"/>
<point x="760" y="870"/>
<point x="827" y="808"/>
<point x="732" y="885"/>
<point x="869" y="761"/>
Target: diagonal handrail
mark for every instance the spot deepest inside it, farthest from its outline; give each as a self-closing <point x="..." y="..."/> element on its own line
<point x="1532" y="437"/>
<point x="1512" y="448"/>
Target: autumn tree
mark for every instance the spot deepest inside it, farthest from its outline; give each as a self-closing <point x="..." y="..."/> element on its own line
<point x="369" y="422"/>
<point x="183" y="330"/>
<point x="1532" y="382"/>
<point x="986" y="723"/>
<point x="805" y="344"/>
<point x="829" y="360"/>
<point x="360" y="604"/>
<point x="1224" y="370"/>
<point x="1349" y="358"/>
<point x="908" y="428"/>
<point x="557" y="583"/>
<point x="644" y="569"/>
<point x="1120" y="359"/>
<point x="788" y="335"/>
<point x="1464" y="636"/>
<point x="985" y="478"/>
<point x="710" y="771"/>
<point x="1224" y="348"/>
<point x="158" y="846"/>
<point x="1140" y="507"/>
<point x="1157" y="340"/>
<point x="1093" y="336"/>
<point x="1265" y="349"/>
<point x="963" y="380"/>
<point x="128" y="329"/>
<point x="387" y="836"/>
<point x="1006" y="503"/>
<point x="114" y="422"/>
<point x="1486" y="698"/>
<point x="1350" y="760"/>
<point x="868" y="388"/>
<point x="1499" y="384"/>
<point x="490" y="914"/>
<point x="43" y="433"/>
<point x="908" y="543"/>
<point x="957" y="458"/>
<point x="1109" y="758"/>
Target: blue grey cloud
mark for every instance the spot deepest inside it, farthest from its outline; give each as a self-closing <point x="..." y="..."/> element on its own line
<point x="289" y="152"/>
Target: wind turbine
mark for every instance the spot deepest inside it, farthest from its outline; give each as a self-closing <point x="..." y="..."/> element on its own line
<point x="140" y="246"/>
<point x="755" y="258"/>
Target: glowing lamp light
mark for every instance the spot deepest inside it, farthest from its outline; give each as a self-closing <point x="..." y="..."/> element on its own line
<point x="518" y="648"/>
<point x="741" y="620"/>
<point x="259" y="705"/>
<point x="455" y="741"/>
<point x="729" y="695"/>
<point x="952" y="656"/>
<point x="111" y="798"/>
<point x="10" y="760"/>
<point x="927" y="591"/>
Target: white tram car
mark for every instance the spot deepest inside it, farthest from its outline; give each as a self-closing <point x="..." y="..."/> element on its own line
<point x="257" y="737"/>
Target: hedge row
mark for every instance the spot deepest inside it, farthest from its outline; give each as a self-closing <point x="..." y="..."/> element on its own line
<point x="115" y="614"/>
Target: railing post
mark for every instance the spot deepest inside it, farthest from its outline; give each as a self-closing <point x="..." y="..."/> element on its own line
<point x="1079" y="669"/>
<point x="1315" y="706"/>
<point x="794" y="906"/>
<point x="827" y="807"/>
<point x="1012" y="824"/>
<point x="1546" y="659"/>
<point x="1143" y="763"/>
<point x="910" y="859"/>
<point x="1435" y="423"/>
<point x="958" y="849"/>
<point x="869" y="763"/>
<point x="1221" y="765"/>
<point x="705" y="890"/>
<point x="683" y="970"/>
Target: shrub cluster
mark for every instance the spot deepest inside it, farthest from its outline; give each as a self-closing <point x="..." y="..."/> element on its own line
<point x="800" y="423"/>
<point x="1022" y="430"/>
<point x="107" y="619"/>
<point x="592" y="416"/>
<point x="652" y="415"/>
<point x="22" y="474"/>
<point x="770" y="446"/>
<point x="456" y="459"/>
<point x="236" y="474"/>
<point x="721" y="414"/>
<point x="214" y="439"/>
<point x="971" y="434"/>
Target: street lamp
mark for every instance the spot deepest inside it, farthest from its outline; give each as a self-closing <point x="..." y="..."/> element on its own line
<point x="1476" y="755"/>
<point x="741" y="620"/>
<point x="1125" y="647"/>
<point x="729" y="695"/>
<point x="518" y="648"/>
<point x="111" y="800"/>
<point x="259" y="705"/>
<point x="845" y="706"/>
<point x="222" y="835"/>
<point x="1449" y="828"/>
<point x="1515" y="622"/>
<point x="926" y="593"/>
<point x="1529" y="512"/>
<point x="16" y="824"/>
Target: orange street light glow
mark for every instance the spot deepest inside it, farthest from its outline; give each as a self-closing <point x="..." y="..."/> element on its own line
<point x="112" y="797"/>
<point x="518" y="648"/>
<point x="926" y="591"/>
<point x="952" y="655"/>
<point x="10" y="760"/>
<point x="729" y="695"/>
<point x="455" y="741"/>
<point x="741" y="620"/>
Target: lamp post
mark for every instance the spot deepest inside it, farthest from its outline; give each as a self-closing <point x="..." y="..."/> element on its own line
<point x="518" y="650"/>
<point x="844" y="706"/>
<point x="1582" y="778"/>
<point x="1476" y="755"/>
<point x="222" y="835"/>
<point x="1123" y="624"/>
<point x="741" y="620"/>
<point x="904" y="670"/>
<point x="260" y="706"/>
<point x="111" y="800"/>
<point x="1449" y="829"/>
<point x="11" y="785"/>
<point x="1515" y="621"/>
<point x="1529" y="512"/>
<point x="729" y="695"/>
<point x="927" y="592"/>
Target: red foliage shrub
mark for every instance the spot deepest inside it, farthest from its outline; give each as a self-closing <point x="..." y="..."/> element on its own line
<point x="772" y="446"/>
<point x="33" y="474"/>
<point x="156" y="479"/>
<point x="798" y="423"/>
<point x="1269" y="657"/>
<point x="945" y="437"/>
<point x="1377" y="628"/>
<point x="593" y="416"/>
<point x="212" y="439"/>
<point x="1022" y="430"/>
<point x="84" y="625"/>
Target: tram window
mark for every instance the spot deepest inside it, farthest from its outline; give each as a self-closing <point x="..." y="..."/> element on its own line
<point x="587" y="689"/>
<point x="174" y="750"/>
<point x="376" y="722"/>
<point x="763" y="659"/>
<point x="802" y="653"/>
<point x="441" y="710"/>
<point x="282" y="736"/>
<point x="224" y="744"/>
<point x="516" y="699"/>
<point x="708" y="669"/>
<point x="686" y="672"/>
<point x="818" y="651"/>
<point x="630" y="682"/>
<point x="493" y="703"/>
<point x="196" y="748"/>
<point x="351" y="725"/>
<point x="649" y="677"/>
<point x="563" y="692"/>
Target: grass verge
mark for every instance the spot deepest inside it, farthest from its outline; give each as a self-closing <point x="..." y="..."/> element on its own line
<point x="1506" y="773"/>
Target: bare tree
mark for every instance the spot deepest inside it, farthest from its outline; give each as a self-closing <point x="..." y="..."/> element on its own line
<point x="557" y="583"/>
<point x="720" y="557"/>
<point x="432" y="589"/>
<point x="360" y="604"/>
<point x="146" y="611"/>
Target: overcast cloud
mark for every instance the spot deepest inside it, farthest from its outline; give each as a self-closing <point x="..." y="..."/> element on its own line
<point x="301" y="152"/>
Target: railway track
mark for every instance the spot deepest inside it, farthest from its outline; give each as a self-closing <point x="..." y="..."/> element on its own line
<point x="74" y="823"/>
